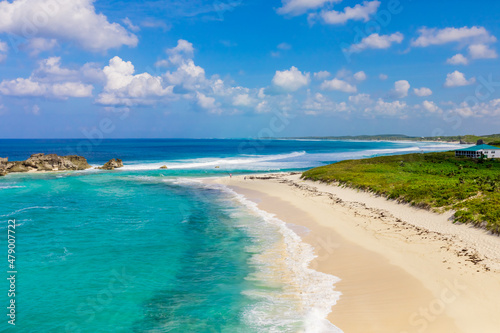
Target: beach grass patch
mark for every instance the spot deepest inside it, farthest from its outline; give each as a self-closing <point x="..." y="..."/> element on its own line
<point x="437" y="181"/>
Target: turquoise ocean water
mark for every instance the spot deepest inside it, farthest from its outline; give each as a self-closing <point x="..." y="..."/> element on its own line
<point x="146" y="250"/>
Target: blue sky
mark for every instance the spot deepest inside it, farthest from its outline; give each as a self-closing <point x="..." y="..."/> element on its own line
<point x="233" y="68"/>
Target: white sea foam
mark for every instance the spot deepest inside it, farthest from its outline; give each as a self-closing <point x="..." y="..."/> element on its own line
<point x="211" y="163"/>
<point x="183" y="181"/>
<point x="27" y="208"/>
<point x="168" y="180"/>
<point x="5" y="187"/>
<point x="308" y="296"/>
<point x="57" y="256"/>
<point x="294" y="160"/>
<point x="289" y="296"/>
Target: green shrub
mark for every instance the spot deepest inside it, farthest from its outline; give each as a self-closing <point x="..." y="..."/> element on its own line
<point x="438" y="180"/>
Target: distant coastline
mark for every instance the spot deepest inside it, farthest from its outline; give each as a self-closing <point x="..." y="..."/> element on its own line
<point x="462" y="139"/>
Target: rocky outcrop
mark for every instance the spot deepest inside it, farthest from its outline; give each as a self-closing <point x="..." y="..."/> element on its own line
<point x="79" y="161"/>
<point x="163" y="167"/>
<point x="112" y="164"/>
<point x="42" y="162"/>
<point x="4" y="165"/>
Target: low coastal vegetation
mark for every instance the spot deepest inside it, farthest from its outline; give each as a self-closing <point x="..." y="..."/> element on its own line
<point x="438" y="181"/>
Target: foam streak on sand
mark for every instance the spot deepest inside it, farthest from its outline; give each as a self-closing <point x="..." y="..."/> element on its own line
<point x="402" y="269"/>
<point x="307" y="295"/>
<point x="315" y="289"/>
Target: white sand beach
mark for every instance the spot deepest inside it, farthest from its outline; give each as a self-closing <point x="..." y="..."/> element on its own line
<point x="402" y="269"/>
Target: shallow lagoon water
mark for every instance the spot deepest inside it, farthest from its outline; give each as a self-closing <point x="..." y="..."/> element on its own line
<point x="148" y="250"/>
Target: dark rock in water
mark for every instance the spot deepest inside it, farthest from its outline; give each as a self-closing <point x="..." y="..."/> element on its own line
<point x="479" y="142"/>
<point x="112" y="164"/>
<point x="164" y="167"/>
<point x="42" y="162"/>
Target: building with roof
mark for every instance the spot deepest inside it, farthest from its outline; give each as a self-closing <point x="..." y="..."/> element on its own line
<point x="479" y="151"/>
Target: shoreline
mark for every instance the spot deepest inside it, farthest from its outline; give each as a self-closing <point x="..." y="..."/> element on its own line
<point x="361" y="140"/>
<point x="402" y="269"/>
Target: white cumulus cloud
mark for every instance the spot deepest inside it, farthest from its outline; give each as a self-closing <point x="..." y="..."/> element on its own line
<point x="422" y="92"/>
<point x="207" y="102"/>
<point x="321" y="75"/>
<point x="187" y="76"/>
<point x="317" y="103"/>
<point x="457" y="59"/>
<point x="183" y="50"/>
<point x="360" y="12"/>
<point x="401" y="89"/>
<point x="291" y="80"/>
<point x="376" y="41"/>
<point x="30" y="88"/>
<point x="243" y="100"/>
<point x="39" y="45"/>
<point x="457" y="79"/>
<point x="464" y="35"/>
<point x="124" y="88"/>
<point x="49" y="80"/>
<point x="482" y="51"/>
<point x="388" y="109"/>
<point x="430" y="106"/>
<point x="476" y="39"/>
<point x="478" y="110"/>
<point x="297" y="7"/>
<point x="340" y="85"/>
<point x="65" y="20"/>
<point x="361" y="99"/>
<point x="360" y="76"/>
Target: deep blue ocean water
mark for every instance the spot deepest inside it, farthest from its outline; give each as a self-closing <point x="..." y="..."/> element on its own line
<point x="147" y="250"/>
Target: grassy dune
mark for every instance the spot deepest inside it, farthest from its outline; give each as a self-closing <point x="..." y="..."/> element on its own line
<point x="437" y="181"/>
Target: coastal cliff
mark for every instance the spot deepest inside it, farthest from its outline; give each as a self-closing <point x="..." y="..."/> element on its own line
<point x="42" y="162"/>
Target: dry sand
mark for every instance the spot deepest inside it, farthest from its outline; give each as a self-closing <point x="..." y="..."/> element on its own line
<point x="402" y="269"/>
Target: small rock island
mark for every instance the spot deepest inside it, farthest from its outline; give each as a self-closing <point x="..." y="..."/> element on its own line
<point x="112" y="164"/>
<point x="42" y="162"/>
<point x="52" y="162"/>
